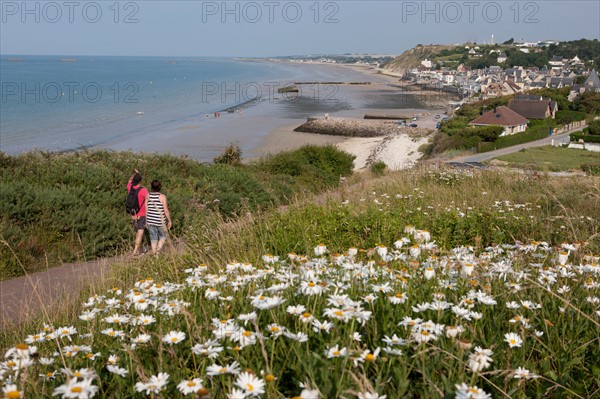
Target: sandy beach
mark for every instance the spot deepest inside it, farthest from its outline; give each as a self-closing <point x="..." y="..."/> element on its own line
<point x="399" y="150"/>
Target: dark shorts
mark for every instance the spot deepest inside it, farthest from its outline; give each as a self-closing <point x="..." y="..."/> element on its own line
<point x="140" y="223"/>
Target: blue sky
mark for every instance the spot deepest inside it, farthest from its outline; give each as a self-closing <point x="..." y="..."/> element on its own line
<point x="270" y="28"/>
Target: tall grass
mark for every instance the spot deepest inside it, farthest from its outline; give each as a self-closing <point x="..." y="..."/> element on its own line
<point x="456" y="207"/>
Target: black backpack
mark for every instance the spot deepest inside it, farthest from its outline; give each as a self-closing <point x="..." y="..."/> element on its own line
<point x="132" y="205"/>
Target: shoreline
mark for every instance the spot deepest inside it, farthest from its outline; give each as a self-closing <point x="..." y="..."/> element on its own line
<point x="397" y="150"/>
<point x="259" y="126"/>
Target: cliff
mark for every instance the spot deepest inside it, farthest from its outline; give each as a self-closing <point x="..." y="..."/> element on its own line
<point x="413" y="57"/>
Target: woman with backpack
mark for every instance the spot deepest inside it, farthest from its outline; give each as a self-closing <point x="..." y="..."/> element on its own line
<point x="158" y="218"/>
<point x="137" y="206"/>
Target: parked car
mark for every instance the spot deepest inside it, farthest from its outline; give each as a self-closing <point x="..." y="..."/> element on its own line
<point x="413" y="125"/>
<point x="414" y="118"/>
<point x="438" y="125"/>
<point x="437" y="117"/>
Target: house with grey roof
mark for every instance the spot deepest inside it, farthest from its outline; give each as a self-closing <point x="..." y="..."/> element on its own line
<point x="591" y="84"/>
<point x="533" y="107"/>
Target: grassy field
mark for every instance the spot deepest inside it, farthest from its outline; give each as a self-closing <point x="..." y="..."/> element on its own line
<point x="419" y="284"/>
<point x="548" y="158"/>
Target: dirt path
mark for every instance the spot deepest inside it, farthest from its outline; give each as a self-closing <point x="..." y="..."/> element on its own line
<point x="27" y="297"/>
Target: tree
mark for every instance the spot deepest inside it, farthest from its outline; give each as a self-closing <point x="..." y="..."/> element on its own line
<point x="594" y="128"/>
<point x="588" y="102"/>
<point x="509" y="41"/>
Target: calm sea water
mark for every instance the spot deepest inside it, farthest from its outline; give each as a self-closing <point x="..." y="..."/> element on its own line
<point x="62" y="103"/>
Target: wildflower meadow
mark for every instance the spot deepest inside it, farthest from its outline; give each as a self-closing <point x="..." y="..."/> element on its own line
<point x="433" y="286"/>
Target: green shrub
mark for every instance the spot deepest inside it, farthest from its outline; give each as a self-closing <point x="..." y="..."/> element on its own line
<point x="588" y="138"/>
<point x="378" y="168"/>
<point x="564" y="117"/>
<point x="594" y="128"/>
<point x="591" y="168"/>
<point x="232" y="155"/>
<point x="489" y="133"/>
<point x="531" y="134"/>
<point x="315" y="166"/>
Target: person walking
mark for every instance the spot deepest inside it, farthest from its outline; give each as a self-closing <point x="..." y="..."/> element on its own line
<point x="159" y="217"/>
<point x="137" y="207"/>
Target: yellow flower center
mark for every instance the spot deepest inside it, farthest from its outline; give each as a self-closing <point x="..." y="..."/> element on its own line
<point x="77" y="374"/>
<point x="311" y="284"/>
<point x="49" y="374"/>
<point x="473" y="390"/>
<point x="306" y="315"/>
<point x="22" y="346"/>
<point x="370" y="357"/>
<point x="174" y="339"/>
<point x="191" y="384"/>
<point x="339" y="313"/>
<point x="270" y="378"/>
<point x="512" y="341"/>
<point x="275" y="329"/>
<point x="249" y="387"/>
<point x="426" y="333"/>
<point x="262" y="298"/>
<point x="337" y="353"/>
<point x="247" y="333"/>
<point x="222" y="370"/>
<point x="202" y="392"/>
<point x="13" y="394"/>
<point x="399" y="295"/>
<point x="76" y="389"/>
<point x="237" y="348"/>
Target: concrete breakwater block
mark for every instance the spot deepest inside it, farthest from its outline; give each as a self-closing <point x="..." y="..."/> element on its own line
<point x="348" y="127"/>
<point x="388" y="117"/>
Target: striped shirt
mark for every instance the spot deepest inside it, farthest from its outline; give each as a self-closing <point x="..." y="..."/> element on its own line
<point x="156" y="210"/>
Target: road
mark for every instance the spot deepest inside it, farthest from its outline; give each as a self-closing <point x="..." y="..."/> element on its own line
<point x="485" y="156"/>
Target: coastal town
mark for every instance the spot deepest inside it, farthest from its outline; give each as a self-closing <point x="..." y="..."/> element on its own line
<point x="486" y="97"/>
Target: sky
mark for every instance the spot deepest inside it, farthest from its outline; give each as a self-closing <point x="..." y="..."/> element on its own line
<point x="274" y="28"/>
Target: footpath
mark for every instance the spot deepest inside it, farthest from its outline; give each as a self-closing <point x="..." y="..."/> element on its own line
<point x="34" y="295"/>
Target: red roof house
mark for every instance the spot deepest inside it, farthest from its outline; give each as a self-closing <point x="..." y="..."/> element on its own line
<point x="502" y="116"/>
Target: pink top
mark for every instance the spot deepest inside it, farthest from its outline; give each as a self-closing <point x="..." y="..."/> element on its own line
<point x="142" y="194"/>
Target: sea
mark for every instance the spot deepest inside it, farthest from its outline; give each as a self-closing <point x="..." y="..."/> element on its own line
<point x="186" y="106"/>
